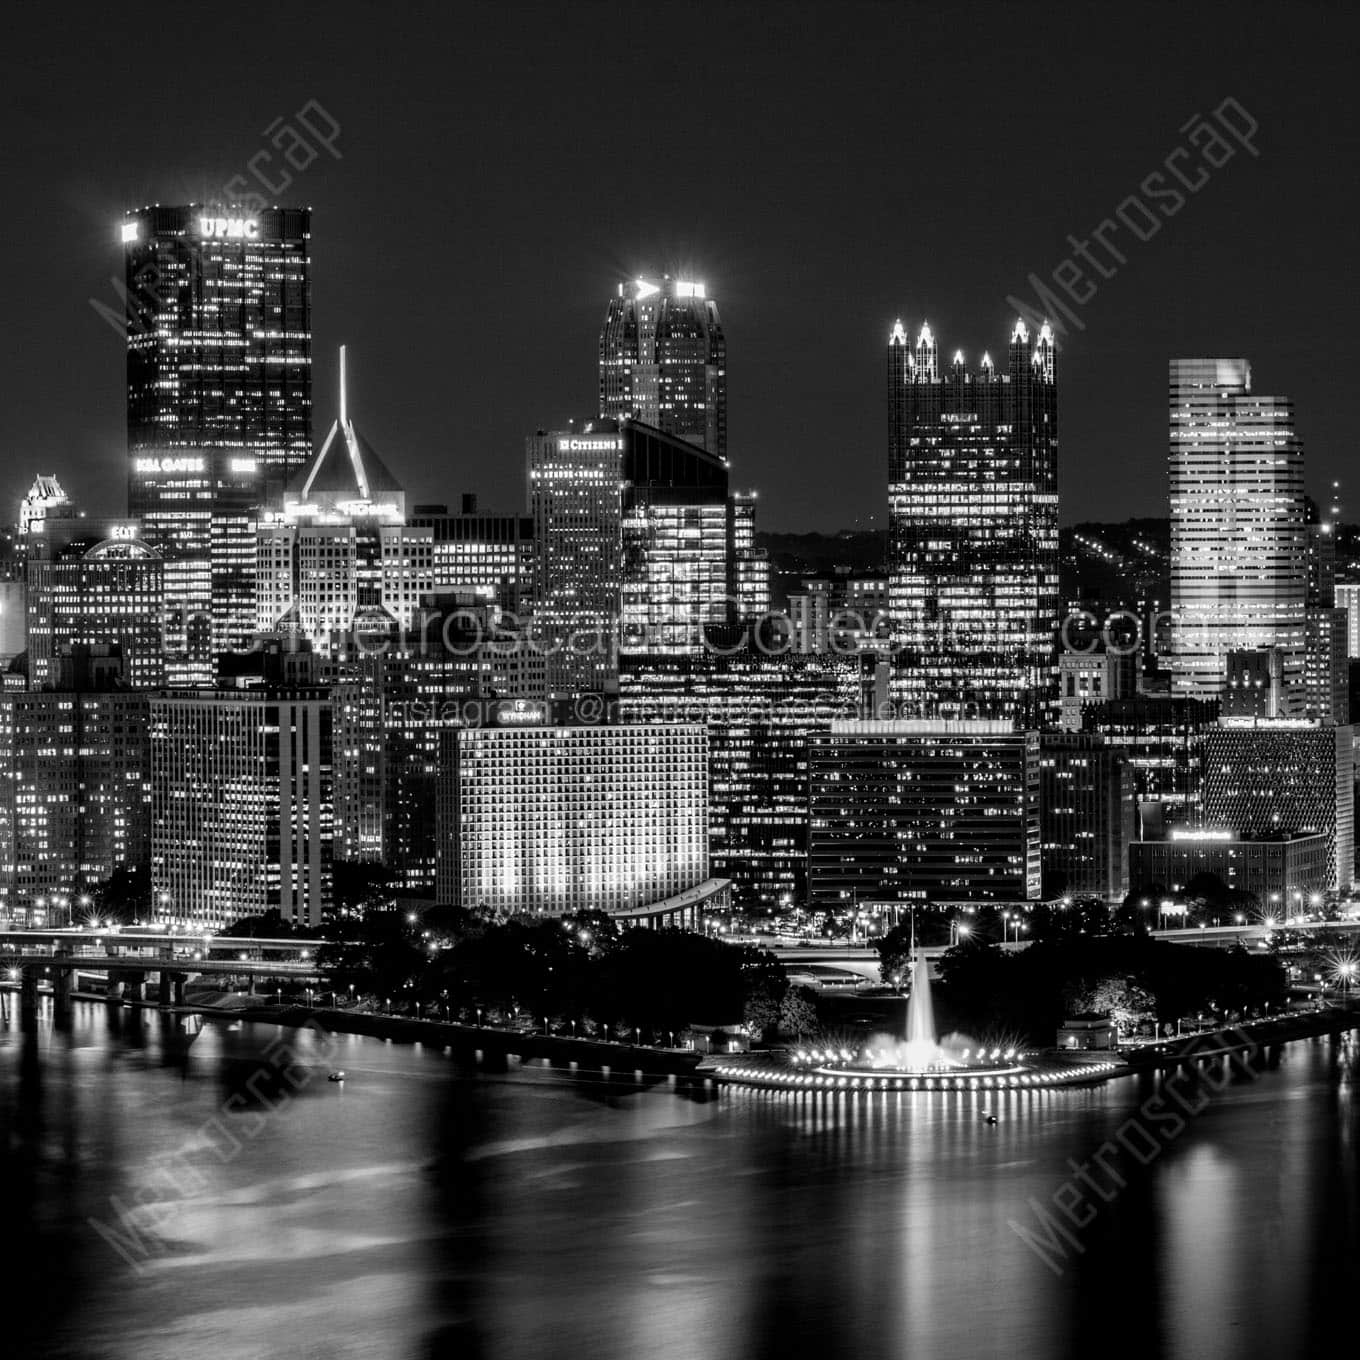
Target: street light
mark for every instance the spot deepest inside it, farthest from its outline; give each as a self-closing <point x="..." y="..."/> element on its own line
<point x="957" y="929"/>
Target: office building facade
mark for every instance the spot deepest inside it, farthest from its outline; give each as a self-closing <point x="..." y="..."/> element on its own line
<point x="74" y="795"/>
<point x="631" y="547"/>
<point x="909" y="810"/>
<point x="973" y="529"/>
<point x="1239" y="545"/>
<point x="663" y="361"/>
<point x="1284" y="871"/>
<point x="759" y="709"/>
<point x="94" y="583"/>
<point x="1262" y="778"/>
<point x="1086" y="815"/>
<point x="486" y="555"/>
<point x="241" y="804"/>
<point x="219" y="396"/>
<point x="337" y="558"/>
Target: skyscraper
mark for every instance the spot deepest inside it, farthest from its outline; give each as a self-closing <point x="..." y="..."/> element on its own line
<point x="631" y="546"/>
<point x="663" y="360"/>
<point x="219" y="403"/>
<point x="1239" y="547"/>
<point x="339" y="557"/>
<point x="973" y="528"/>
<point x="241" y="803"/>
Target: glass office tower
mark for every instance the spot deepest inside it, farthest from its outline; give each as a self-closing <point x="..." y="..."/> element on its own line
<point x="219" y="404"/>
<point x="663" y="359"/>
<point x="973" y="529"/>
<point x="1239" y="543"/>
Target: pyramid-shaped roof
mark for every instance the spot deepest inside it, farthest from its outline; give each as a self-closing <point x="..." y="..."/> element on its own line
<point x="346" y="470"/>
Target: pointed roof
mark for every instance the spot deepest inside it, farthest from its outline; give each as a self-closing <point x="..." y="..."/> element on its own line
<point x="346" y="471"/>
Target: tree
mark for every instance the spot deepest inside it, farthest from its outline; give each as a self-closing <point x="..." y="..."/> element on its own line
<point x="1122" y="999"/>
<point x="798" y="1013"/>
<point x="894" y="954"/>
<point x="125" y="895"/>
<point x="268" y="925"/>
<point x="764" y="1007"/>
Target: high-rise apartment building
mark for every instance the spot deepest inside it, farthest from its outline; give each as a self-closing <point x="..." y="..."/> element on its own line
<point x="555" y="820"/>
<point x="910" y="810"/>
<point x="973" y="528"/>
<point x="1239" y="546"/>
<point x="219" y="404"/>
<point x="663" y="361"/>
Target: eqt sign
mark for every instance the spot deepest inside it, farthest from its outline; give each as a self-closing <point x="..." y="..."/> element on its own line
<point x="230" y="228"/>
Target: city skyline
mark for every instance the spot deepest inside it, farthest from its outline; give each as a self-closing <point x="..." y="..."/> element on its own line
<point x="1200" y="285"/>
<point x="547" y="811"/>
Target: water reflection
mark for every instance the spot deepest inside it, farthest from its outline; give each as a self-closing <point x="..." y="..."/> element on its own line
<point x="426" y="1209"/>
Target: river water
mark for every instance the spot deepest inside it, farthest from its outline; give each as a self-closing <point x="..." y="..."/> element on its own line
<point x="168" y="1195"/>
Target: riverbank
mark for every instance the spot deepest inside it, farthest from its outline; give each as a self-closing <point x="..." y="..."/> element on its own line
<point x="486" y="1042"/>
<point x="1249" y="1037"/>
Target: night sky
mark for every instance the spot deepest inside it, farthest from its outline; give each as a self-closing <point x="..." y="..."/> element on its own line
<point x="822" y="168"/>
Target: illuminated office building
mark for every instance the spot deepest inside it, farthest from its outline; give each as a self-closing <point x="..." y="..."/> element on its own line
<point x="1326" y="675"/>
<point x="74" y="796"/>
<point x="487" y="555"/>
<point x="219" y="404"/>
<point x="674" y="530"/>
<point x="1091" y="677"/>
<point x="338" y="557"/>
<point x="1162" y="739"/>
<point x="1086" y="815"/>
<point x="973" y="528"/>
<point x="93" y="583"/>
<point x="1326" y="664"/>
<point x="1348" y="598"/>
<point x="760" y="710"/>
<point x="45" y="498"/>
<point x="663" y="361"/>
<point x="1263" y="777"/>
<point x="911" y="810"/>
<point x="458" y="667"/>
<point x="241" y="804"/>
<point x="748" y="567"/>
<point x="1283" y="868"/>
<point x="631" y="542"/>
<point x="1239" y="547"/>
<point x="555" y="820"/>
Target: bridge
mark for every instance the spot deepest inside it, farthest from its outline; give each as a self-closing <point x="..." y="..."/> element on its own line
<point x="830" y="965"/>
<point x="128" y="970"/>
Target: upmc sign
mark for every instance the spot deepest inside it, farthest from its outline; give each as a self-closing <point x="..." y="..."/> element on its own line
<point x="230" y="228"/>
